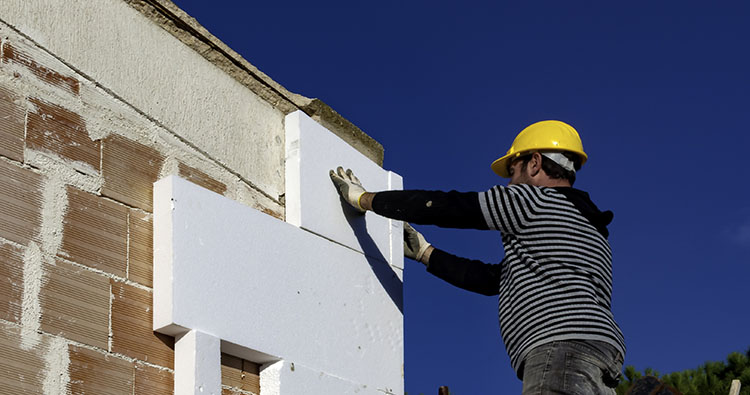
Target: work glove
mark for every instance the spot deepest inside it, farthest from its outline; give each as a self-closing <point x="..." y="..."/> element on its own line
<point x="414" y="243"/>
<point x="349" y="187"/>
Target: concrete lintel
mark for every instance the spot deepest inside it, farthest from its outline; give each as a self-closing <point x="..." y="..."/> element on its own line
<point x="189" y="31"/>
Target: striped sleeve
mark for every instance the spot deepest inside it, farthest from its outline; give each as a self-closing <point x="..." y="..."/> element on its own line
<point x="508" y="209"/>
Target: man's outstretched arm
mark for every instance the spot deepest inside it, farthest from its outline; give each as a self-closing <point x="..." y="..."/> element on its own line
<point x="448" y="209"/>
<point x="468" y="274"/>
<point x="445" y="209"/>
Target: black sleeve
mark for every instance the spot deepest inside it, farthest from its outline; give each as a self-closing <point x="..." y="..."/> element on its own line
<point x="471" y="275"/>
<point x="445" y="209"/>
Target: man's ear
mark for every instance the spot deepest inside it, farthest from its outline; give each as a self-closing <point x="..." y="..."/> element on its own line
<point x="535" y="164"/>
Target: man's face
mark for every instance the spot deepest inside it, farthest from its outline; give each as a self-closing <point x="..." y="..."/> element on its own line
<point x="517" y="172"/>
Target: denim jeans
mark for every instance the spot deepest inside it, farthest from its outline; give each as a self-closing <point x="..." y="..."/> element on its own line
<point x="583" y="367"/>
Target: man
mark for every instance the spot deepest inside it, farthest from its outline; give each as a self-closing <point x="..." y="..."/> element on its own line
<point x="555" y="282"/>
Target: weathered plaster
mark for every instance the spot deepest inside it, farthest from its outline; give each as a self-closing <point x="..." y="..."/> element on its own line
<point x="104" y="115"/>
<point x="57" y="362"/>
<point x="160" y="61"/>
<point x="126" y="53"/>
<point x="186" y="29"/>
<point x="54" y="205"/>
<point x="31" y="309"/>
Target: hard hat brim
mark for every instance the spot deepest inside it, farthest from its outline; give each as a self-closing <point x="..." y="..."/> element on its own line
<point x="500" y="166"/>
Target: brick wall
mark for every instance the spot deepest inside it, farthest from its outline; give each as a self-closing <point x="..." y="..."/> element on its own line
<point x="77" y="165"/>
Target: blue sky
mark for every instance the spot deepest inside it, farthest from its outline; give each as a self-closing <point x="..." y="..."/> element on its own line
<point x="657" y="90"/>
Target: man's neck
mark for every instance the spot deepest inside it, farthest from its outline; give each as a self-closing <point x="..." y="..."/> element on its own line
<point x="549" y="182"/>
<point x="556" y="183"/>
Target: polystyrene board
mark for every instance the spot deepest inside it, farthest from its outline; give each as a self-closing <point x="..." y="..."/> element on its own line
<point x="304" y="380"/>
<point x="247" y="278"/>
<point x="197" y="364"/>
<point x="312" y="201"/>
<point x="395" y="182"/>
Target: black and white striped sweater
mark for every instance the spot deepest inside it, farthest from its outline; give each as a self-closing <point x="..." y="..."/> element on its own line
<point x="555" y="282"/>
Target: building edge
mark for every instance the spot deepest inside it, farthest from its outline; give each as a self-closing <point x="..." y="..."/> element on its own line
<point x="189" y="31"/>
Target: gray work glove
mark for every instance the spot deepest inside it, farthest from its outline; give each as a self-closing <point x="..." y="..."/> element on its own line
<point x="414" y="243"/>
<point x="349" y="187"/>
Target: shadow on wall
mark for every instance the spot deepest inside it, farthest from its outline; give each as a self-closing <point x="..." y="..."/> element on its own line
<point x="378" y="263"/>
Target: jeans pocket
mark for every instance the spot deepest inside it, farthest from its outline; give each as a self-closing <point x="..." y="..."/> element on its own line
<point x="535" y="365"/>
<point x="604" y="356"/>
<point x="583" y="374"/>
<point x="612" y="375"/>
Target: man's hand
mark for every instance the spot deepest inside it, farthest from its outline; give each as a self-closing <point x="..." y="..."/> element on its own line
<point x="349" y="187"/>
<point x="415" y="245"/>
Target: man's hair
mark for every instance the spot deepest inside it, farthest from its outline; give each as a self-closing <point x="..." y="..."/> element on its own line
<point x="554" y="170"/>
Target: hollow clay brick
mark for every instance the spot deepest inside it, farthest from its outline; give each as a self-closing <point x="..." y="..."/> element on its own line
<point x="198" y="177"/>
<point x="21" y="371"/>
<point x="251" y="380"/>
<point x="95" y="232"/>
<point x="52" y="128"/>
<point x="11" y="125"/>
<point x="132" y="313"/>
<point x="75" y="304"/>
<point x="231" y="370"/>
<point x="20" y="203"/>
<point x="129" y="170"/>
<point x="92" y="372"/>
<point x="12" y="54"/>
<point x="140" y="253"/>
<point x="239" y="374"/>
<point x="11" y="282"/>
<point x="153" y="381"/>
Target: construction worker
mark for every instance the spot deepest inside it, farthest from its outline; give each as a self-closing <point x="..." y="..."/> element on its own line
<point x="555" y="281"/>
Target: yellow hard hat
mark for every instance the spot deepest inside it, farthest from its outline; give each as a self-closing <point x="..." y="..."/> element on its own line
<point x="540" y="136"/>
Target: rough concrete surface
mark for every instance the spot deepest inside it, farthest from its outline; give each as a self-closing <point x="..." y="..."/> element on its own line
<point x="128" y="55"/>
<point x="188" y="30"/>
<point x="104" y="115"/>
<point x="196" y="86"/>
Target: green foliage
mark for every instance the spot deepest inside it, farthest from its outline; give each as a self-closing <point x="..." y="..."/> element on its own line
<point x="711" y="378"/>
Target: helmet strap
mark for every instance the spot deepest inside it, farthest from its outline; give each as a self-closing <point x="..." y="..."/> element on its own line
<point x="561" y="160"/>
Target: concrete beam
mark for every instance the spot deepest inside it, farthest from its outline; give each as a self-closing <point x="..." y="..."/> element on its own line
<point x="187" y="29"/>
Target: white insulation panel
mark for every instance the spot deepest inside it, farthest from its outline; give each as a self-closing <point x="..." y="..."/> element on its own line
<point x="197" y="364"/>
<point x="247" y="278"/>
<point x="312" y="201"/>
